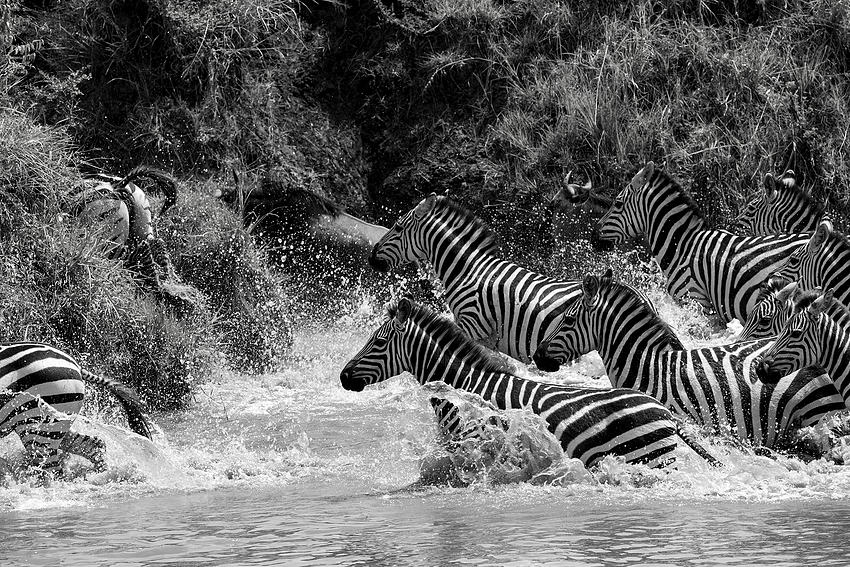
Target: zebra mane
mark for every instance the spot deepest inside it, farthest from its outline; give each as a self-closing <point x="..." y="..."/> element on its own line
<point x="640" y="300"/>
<point x="836" y="310"/>
<point x="665" y="179"/>
<point x="490" y="242"/>
<point x="453" y="339"/>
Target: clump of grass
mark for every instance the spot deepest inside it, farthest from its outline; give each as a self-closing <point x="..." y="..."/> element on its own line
<point x="216" y="254"/>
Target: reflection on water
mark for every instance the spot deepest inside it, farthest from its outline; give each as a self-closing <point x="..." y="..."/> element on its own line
<point x="289" y="469"/>
<point x="320" y="525"/>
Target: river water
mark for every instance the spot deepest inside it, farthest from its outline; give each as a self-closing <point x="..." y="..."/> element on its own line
<point x="290" y="469"/>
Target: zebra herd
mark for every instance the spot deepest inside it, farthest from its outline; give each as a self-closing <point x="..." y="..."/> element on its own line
<point x="790" y="368"/>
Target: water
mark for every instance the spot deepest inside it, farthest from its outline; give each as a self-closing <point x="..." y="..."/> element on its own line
<point x="289" y="469"/>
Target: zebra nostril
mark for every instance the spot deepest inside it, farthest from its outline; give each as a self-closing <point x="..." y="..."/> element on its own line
<point x="544" y="362"/>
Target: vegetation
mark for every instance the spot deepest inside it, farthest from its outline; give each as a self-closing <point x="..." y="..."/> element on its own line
<point x="375" y="103"/>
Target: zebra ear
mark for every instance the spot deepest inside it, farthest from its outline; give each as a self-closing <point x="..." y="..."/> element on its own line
<point x="607" y="276"/>
<point x="405" y="307"/>
<point x="425" y="206"/>
<point x="822" y="302"/>
<point x="590" y="287"/>
<point x="769" y="187"/>
<point x="640" y="179"/>
<point x="787" y="292"/>
<point x="819" y="237"/>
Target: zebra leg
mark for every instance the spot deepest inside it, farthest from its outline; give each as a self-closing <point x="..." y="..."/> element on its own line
<point x="39" y="426"/>
<point x="692" y="442"/>
<point x="85" y="446"/>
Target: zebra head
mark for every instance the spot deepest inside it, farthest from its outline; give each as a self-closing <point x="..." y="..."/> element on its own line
<point x="768" y="213"/>
<point x="572" y="338"/>
<point x="625" y="219"/>
<point x="404" y="242"/>
<point x="798" y="344"/>
<point x="383" y="355"/>
<point x="775" y="306"/>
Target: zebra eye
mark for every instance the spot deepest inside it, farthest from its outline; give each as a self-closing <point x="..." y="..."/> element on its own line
<point x="796" y="333"/>
<point x="380" y="341"/>
<point x="569" y="321"/>
<point x="618" y="203"/>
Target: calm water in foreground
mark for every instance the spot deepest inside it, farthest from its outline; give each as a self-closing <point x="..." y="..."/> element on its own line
<point x="289" y="469"/>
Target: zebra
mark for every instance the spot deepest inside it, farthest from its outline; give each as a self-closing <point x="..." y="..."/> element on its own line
<point x="495" y="301"/>
<point x="821" y="262"/>
<point x="43" y="430"/>
<point x="51" y="375"/>
<point x="125" y="211"/>
<point x="720" y="270"/>
<point x="775" y="306"/>
<point x="711" y="385"/>
<point x="783" y="207"/>
<point x="588" y="423"/>
<point x="818" y="333"/>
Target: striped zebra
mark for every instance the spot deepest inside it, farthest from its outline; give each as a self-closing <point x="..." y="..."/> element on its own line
<point x="817" y="334"/>
<point x="783" y="207"/>
<point x="123" y="208"/>
<point x="821" y="262"/>
<point x="711" y="385"/>
<point x="588" y="423"/>
<point x="720" y="270"/>
<point x="496" y="302"/>
<point x="53" y="376"/>
<point x="775" y="306"/>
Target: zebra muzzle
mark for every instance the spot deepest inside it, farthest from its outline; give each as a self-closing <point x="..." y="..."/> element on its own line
<point x="545" y="363"/>
<point x="766" y="373"/>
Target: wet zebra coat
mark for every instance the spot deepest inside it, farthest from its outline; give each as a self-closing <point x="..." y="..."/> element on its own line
<point x="56" y="377"/>
<point x="40" y="427"/>
<point x="588" y="423"/>
<point x="496" y="302"/>
<point x="720" y="270"/>
<point x="711" y="385"/>
<point x="823" y="261"/>
<point x="783" y="207"/>
<point x="817" y="333"/>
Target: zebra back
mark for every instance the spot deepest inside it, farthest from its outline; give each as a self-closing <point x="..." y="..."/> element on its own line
<point x="783" y="207"/>
<point x="712" y="385"/>
<point x="495" y="301"/>
<point x="721" y="271"/>
<point x="588" y="423"/>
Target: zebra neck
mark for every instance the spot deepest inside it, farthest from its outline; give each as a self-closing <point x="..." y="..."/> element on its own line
<point x="829" y="271"/>
<point x="835" y="346"/>
<point x="669" y="232"/>
<point x="492" y="385"/>
<point x="632" y="354"/>
<point x="454" y="252"/>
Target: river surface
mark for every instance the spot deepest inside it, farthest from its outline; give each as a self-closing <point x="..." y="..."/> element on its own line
<point x="290" y="469"/>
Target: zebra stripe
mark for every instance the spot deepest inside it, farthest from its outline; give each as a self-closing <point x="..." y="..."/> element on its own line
<point x="712" y="385"/>
<point x="775" y="306"/>
<point x="40" y="427"/>
<point x="783" y="207"/>
<point x="821" y="262"/>
<point x="720" y="270"/>
<point x="54" y="376"/>
<point x="588" y="423"/>
<point x="817" y="333"/>
<point x="496" y="302"/>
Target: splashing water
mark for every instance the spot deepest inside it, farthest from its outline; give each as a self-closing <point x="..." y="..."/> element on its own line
<point x="348" y="478"/>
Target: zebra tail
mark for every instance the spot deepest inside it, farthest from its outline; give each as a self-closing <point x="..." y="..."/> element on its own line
<point x="164" y="182"/>
<point x="128" y="399"/>
<point x="691" y="442"/>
